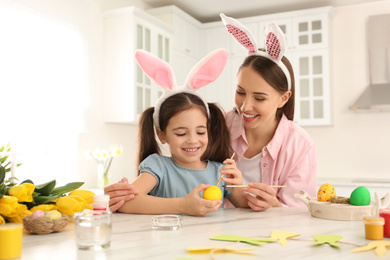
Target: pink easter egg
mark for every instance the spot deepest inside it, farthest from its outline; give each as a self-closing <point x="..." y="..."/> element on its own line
<point x="37" y="214"/>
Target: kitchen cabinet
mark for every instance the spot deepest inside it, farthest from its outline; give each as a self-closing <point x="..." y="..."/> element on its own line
<point x="127" y="90"/>
<point x="185" y="42"/>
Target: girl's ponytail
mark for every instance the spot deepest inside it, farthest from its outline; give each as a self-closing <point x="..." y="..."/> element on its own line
<point x="147" y="143"/>
<point x="219" y="147"/>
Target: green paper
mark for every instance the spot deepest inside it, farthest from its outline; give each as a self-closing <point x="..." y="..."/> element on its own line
<point x="330" y="239"/>
<point x="234" y="238"/>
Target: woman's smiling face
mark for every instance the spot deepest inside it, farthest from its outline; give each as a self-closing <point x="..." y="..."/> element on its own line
<point x="256" y="100"/>
<point x="187" y="138"/>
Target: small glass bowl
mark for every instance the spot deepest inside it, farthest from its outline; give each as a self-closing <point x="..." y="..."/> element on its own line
<point x="166" y="222"/>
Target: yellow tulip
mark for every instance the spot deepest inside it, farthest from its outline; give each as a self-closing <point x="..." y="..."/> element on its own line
<point x="19" y="217"/>
<point x="71" y="204"/>
<point x="2" y="221"/>
<point x="23" y="192"/>
<point x="44" y="207"/>
<point x="8" y="205"/>
<point x="85" y="194"/>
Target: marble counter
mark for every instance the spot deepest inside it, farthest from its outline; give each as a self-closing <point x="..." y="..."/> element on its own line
<point x="133" y="237"/>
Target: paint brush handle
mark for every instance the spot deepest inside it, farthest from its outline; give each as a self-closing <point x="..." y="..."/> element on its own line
<point x="246" y="186"/>
<point x="220" y="179"/>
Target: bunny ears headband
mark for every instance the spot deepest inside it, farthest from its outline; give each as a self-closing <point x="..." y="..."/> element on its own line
<point x="275" y="42"/>
<point x="204" y="72"/>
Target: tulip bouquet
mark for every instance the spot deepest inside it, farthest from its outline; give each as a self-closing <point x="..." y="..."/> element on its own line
<point x="20" y="200"/>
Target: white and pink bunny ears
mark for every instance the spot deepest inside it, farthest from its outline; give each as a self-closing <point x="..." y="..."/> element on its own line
<point x="275" y="42"/>
<point x="203" y="73"/>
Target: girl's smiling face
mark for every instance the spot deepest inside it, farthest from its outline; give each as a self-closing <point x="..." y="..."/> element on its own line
<point x="256" y="100"/>
<point x="187" y="138"/>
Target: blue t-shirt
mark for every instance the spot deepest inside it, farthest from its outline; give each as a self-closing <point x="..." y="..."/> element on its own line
<point x="175" y="181"/>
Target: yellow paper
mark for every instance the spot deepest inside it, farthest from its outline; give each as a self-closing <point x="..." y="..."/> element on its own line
<point x="282" y="236"/>
<point x="200" y="250"/>
<point x="10" y="240"/>
<point x="379" y="247"/>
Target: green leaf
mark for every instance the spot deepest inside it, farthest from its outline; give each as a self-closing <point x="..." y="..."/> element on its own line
<point x="67" y="188"/>
<point x="46" y="188"/>
<point x="2" y="174"/>
<point x="45" y="199"/>
<point x="2" y="160"/>
<point x="27" y="181"/>
<point x="3" y="191"/>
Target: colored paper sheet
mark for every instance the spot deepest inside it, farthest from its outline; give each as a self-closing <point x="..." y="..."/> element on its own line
<point x="330" y="239"/>
<point x="380" y="247"/>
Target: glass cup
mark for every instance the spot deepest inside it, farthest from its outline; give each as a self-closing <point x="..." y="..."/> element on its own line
<point x="93" y="229"/>
<point x="11" y="240"/>
<point x="166" y="222"/>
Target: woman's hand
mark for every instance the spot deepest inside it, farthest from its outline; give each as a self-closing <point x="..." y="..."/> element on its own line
<point x="120" y="193"/>
<point x="232" y="173"/>
<point x="265" y="196"/>
<point x="196" y="206"/>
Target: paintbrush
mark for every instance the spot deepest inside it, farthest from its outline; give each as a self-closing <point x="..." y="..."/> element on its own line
<point x="246" y="186"/>
<point x="222" y="175"/>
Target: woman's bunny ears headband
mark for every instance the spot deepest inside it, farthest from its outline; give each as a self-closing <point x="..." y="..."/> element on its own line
<point x="204" y="72"/>
<point x="275" y="42"/>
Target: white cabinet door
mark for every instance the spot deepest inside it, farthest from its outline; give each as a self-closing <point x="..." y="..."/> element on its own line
<point x="215" y="38"/>
<point x="312" y="100"/>
<point x="151" y="39"/>
<point x="181" y="64"/>
<point x="127" y="90"/>
<point x="311" y="32"/>
<point x="220" y="91"/>
<point x="187" y="38"/>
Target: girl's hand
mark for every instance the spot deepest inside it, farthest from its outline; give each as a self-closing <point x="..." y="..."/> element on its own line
<point x="232" y="174"/>
<point x="120" y="193"/>
<point x="196" y="206"/>
<point x="234" y="177"/>
<point x="265" y="196"/>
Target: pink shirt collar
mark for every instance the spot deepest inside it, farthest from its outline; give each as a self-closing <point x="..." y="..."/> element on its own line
<point x="237" y="131"/>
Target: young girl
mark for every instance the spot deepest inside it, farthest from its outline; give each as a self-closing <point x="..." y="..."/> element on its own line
<point x="198" y="140"/>
<point x="270" y="148"/>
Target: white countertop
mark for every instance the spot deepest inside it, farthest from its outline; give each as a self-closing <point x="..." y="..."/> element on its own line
<point x="133" y="237"/>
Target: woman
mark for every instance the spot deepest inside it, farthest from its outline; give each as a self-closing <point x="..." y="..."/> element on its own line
<point x="270" y="149"/>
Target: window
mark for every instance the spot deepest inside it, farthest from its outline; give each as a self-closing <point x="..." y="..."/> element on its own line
<point x="43" y="93"/>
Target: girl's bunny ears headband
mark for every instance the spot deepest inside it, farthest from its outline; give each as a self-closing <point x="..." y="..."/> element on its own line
<point x="275" y="42"/>
<point x="204" y="72"/>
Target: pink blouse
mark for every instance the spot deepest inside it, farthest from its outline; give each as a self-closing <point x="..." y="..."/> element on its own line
<point x="288" y="159"/>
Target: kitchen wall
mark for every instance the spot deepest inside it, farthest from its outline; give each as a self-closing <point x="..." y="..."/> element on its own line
<point x="354" y="147"/>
